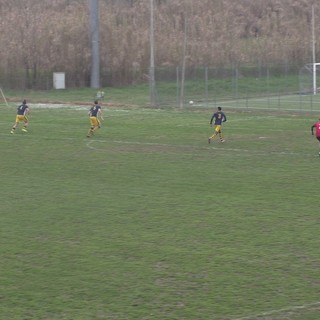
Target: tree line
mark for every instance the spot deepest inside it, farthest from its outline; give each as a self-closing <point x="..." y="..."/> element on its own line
<point x="39" y="37"/>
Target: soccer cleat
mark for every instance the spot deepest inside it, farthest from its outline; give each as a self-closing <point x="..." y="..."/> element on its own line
<point x="24" y="130"/>
<point x="222" y="141"/>
<point x="12" y="131"/>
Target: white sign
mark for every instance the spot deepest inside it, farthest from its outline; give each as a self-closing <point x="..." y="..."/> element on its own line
<point x="59" y="80"/>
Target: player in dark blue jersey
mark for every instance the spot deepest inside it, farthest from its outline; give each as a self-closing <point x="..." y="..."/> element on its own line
<point x="96" y="117"/>
<point x="216" y="120"/>
<point x="22" y="112"/>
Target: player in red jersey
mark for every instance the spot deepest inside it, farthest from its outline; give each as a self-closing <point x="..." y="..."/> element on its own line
<point x="317" y="127"/>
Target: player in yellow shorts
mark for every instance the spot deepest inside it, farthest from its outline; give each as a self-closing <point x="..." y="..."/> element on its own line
<point x="22" y="112"/>
<point x="94" y="113"/>
<point x="217" y="119"/>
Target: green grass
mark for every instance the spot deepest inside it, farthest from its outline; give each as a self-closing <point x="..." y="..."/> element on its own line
<point x="148" y="221"/>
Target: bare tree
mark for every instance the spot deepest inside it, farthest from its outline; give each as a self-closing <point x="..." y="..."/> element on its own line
<point x="42" y="36"/>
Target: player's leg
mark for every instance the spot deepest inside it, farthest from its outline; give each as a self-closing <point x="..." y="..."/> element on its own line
<point x="15" y="124"/>
<point x="220" y="136"/>
<point x="215" y="133"/>
<point x="90" y="132"/>
<point x="94" y="129"/>
<point x="96" y="126"/>
<point x="92" y="125"/>
<point x="25" y="125"/>
<point x="212" y="137"/>
<point x="14" y="127"/>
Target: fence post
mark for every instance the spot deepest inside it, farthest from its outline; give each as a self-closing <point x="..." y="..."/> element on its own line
<point x="206" y="85"/>
<point x="178" y="85"/>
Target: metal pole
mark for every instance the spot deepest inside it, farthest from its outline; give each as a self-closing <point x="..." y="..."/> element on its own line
<point x="314" y="55"/>
<point x="206" y="85"/>
<point x="184" y="58"/>
<point x="178" y="84"/>
<point x="152" y="71"/>
<point x="95" y="40"/>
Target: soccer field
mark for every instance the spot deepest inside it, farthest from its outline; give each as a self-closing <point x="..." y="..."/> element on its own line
<point x="146" y="220"/>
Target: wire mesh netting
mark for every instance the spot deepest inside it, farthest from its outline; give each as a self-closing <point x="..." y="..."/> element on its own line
<point x="271" y="87"/>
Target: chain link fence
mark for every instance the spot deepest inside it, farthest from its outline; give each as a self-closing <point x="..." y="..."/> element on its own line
<point x="276" y="86"/>
<point x="282" y="86"/>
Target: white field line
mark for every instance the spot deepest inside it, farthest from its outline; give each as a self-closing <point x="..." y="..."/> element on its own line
<point x="175" y="146"/>
<point x="207" y="123"/>
<point x="37" y="138"/>
<point x="280" y="311"/>
<point x="90" y="145"/>
<point x="87" y="107"/>
<point x="253" y="118"/>
<point x="91" y="141"/>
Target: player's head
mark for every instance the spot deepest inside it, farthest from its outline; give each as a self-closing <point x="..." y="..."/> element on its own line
<point x="95" y="101"/>
<point x="24" y="101"/>
<point x="219" y="108"/>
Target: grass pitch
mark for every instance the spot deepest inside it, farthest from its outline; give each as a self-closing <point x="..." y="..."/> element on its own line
<point x="147" y="221"/>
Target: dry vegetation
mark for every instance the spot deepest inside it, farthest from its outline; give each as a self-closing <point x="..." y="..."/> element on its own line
<point x="43" y="36"/>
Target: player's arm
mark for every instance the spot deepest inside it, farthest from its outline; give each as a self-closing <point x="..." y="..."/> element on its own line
<point x="26" y="113"/>
<point x="312" y="129"/>
<point x="211" y="120"/>
<point x="100" y="115"/>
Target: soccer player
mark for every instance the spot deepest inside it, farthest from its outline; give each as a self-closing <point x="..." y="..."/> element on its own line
<point x="217" y="119"/>
<point x="96" y="117"/>
<point x="22" y="112"/>
<point x="317" y="127"/>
